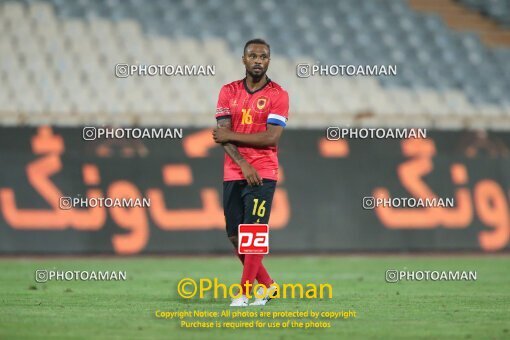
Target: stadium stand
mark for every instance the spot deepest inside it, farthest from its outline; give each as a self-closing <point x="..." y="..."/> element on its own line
<point x="497" y="9"/>
<point x="58" y="58"/>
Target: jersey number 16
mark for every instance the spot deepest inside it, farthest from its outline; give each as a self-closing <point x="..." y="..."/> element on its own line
<point x="247" y="118"/>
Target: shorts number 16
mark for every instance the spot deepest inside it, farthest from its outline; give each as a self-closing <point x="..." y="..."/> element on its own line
<point x="259" y="210"/>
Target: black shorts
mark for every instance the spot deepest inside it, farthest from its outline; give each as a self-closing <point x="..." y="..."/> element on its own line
<point x="245" y="204"/>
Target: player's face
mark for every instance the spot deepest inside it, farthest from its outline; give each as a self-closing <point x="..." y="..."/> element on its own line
<point x="256" y="60"/>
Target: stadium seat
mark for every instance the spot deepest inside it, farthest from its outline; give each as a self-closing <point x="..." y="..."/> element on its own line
<point x="71" y="48"/>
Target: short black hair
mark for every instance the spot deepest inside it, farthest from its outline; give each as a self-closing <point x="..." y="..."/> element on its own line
<point x="256" y="41"/>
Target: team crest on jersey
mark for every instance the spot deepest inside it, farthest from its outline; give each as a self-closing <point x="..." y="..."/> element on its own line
<point x="261" y="103"/>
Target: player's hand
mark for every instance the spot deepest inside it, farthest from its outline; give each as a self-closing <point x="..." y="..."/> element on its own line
<point x="251" y="175"/>
<point x="221" y="134"/>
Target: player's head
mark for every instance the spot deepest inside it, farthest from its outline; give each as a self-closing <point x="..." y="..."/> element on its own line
<point x="256" y="57"/>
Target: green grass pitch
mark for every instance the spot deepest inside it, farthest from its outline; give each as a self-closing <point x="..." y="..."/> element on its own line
<point x="125" y="309"/>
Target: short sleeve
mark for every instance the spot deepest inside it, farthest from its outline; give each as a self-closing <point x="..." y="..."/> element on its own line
<point x="223" y="106"/>
<point x="279" y="113"/>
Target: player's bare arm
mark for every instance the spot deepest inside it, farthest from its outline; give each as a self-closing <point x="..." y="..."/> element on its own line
<point x="249" y="172"/>
<point x="270" y="137"/>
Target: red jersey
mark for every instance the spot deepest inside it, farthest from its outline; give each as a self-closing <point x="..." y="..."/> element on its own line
<point x="250" y="112"/>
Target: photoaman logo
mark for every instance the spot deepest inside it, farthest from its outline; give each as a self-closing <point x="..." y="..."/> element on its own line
<point x="253" y="239"/>
<point x="188" y="288"/>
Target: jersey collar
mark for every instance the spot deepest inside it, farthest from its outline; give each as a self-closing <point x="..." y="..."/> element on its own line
<point x="252" y="92"/>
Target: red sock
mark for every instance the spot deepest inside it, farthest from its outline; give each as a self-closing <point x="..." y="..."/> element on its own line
<point x="262" y="275"/>
<point x="252" y="263"/>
